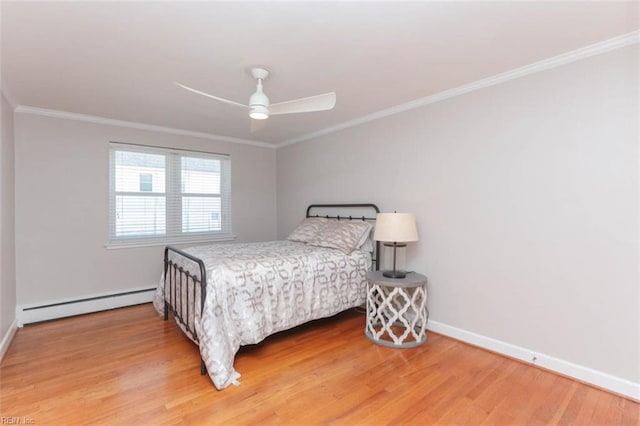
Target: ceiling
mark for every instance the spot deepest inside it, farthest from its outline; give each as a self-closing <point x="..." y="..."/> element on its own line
<point x="118" y="60"/>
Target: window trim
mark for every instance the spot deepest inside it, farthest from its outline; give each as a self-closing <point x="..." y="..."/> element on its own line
<point x="163" y="241"/>
<point x="171" y="154"/>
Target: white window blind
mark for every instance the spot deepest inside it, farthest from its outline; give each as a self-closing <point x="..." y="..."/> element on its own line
<point x="167" y="195"/>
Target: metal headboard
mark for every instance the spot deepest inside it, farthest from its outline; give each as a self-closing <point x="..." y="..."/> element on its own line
<point x="368" y="211"/>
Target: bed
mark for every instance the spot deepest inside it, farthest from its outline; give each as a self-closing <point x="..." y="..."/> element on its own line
<point x="224" y="296"/>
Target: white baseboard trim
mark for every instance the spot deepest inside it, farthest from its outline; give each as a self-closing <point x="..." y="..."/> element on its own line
<point x="27" y="314"/>
<point x="8" y="338"/>
<point x="578" y="372"/>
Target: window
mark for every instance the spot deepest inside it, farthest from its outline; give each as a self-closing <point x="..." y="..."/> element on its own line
<point x="146" y="182"/>
<point x="167" y="195"/>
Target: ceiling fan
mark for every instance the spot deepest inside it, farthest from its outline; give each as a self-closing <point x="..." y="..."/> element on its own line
<point x="260" y="108"/>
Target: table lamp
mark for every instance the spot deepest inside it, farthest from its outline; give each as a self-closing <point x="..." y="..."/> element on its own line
<point x="395" y="230"/>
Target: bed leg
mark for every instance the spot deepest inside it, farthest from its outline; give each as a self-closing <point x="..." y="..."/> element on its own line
<point x="166" y="310"/>
<point x="203" y="368"/>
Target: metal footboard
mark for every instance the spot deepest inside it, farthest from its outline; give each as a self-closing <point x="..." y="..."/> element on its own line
<point x="179" y="283"/>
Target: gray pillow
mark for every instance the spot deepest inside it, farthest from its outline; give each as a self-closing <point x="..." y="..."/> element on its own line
<point x="344" y="235"/>
<point x="307" y="229"/>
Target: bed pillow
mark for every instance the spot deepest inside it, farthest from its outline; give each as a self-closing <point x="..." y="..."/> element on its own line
<point x="367" y="245"/>
<point x="345" y="236"/>
<point x="307" y="229"/>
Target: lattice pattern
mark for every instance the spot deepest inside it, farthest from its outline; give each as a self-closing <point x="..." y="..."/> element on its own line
<point x="396" y="316"/>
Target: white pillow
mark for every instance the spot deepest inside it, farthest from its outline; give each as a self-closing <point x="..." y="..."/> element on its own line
<point x="367" y="246"/>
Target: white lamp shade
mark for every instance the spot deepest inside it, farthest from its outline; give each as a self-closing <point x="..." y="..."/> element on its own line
<point x="396" y="227"/>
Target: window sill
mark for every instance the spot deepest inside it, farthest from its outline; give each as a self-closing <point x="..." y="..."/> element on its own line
<point x="167" y="241"/>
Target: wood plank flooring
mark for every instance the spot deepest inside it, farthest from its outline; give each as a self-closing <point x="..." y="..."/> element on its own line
<point x="127" y="366"/>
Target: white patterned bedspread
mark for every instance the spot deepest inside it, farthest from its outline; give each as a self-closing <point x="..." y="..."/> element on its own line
<point x="257" y="289"/>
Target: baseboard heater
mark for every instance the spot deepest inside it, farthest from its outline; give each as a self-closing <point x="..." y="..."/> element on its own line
<point x="29" y="314"/>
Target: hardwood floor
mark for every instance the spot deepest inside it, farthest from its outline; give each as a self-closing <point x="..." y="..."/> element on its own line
<point x="127" y="366"/>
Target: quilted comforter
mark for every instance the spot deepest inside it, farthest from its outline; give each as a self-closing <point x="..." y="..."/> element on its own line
<point x="256" y="289"/>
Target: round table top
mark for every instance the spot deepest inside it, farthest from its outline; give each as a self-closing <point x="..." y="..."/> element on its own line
<point x="412" y="279"/>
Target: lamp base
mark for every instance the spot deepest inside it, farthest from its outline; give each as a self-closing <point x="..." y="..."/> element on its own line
<point x="394" y="274"/>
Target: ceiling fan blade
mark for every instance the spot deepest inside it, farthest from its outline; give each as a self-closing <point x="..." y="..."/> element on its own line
<point x="210" y="96"/>
<point x="322" y="102"/>
<point x="257" y="125"/>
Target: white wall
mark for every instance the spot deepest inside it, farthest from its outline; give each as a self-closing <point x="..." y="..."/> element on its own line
<point x="61" y="172"/>
<point x="526" y="197"/>
<point x="7" y="233"/>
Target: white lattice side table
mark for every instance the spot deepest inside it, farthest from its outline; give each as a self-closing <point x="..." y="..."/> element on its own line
<point x="396" y="310"/>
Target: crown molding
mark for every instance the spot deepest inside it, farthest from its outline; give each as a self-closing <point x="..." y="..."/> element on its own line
<point x="543" y="65"/>
<point x="133" y="125"/>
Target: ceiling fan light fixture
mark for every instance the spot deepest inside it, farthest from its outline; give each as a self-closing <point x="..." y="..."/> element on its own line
<point x="259" y="104"/>
<point x="259" y="112"/>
